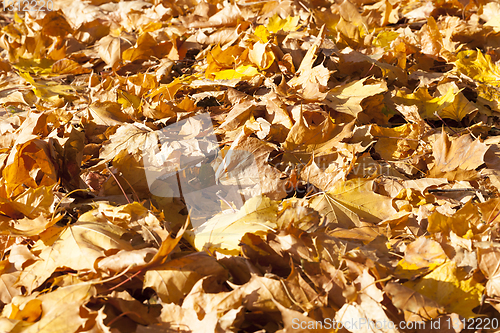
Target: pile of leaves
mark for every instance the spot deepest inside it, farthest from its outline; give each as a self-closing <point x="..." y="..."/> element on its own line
<point x="373" y="131"/>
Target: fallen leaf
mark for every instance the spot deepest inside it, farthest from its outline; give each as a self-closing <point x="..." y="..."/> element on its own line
<point x="347" y="98"/>
<point x="443" y="285"/>
<point x="276" y="23"/>
<point x="77" y="247"/>
<point x="460" y="223"/>
<point x="223" y="232"/>
<point x="482" y="70"/>
<point x="59" y="311"/>
<point x="488" y="263"/>
<point x="407" y="299"/>
<point x="173" y="280"/>
<point x="462" y="153"/>
<point x="421" y="256"/>
<point x="351" y="202"/>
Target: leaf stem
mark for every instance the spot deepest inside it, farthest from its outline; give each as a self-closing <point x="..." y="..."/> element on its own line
<point x="437" y="115"/>
<point x="116" y="179"/>
<point x="125" y="281"/>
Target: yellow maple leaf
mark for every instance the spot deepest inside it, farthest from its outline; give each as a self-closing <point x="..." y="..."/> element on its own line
<point x="262" y="34"/>
<point x="447" y="289"/>
<point x="478" y="67"/>
<point x="276" y="23"/>
<point x="128" y="100"/>
<point x="451" y="104"/>
<point x="421" y="256"/>
<point x="347" y="98"/>
<point x="223" y="232"/>
<point x="49" y="90"/>
<point x="481" y="69"/>
<point x="351" y="201"/>
<point x="169" y="90"/>
<point x="240" y="72"/>
<point x="143" y="49"/>
<point x="385" y="38"/>
<point x="233" y="63"/>
<point x="460" y="223"/>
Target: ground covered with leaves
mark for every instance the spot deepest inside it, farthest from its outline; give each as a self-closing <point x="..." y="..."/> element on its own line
<point x="359" y="138"/>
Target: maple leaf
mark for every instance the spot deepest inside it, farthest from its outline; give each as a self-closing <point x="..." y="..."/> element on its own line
<point x="408" y="300"/>
<point x="248" y="166"/>
<point x="460" y="223"/>
<point x="223" y="232"/>
<point x="487" y="263"/>
<point x="56" y="311"/>
<point x="448" y="290"/>
<point x="421" y="256"/>
<point x="461" y="153"/>
<point x="347" y="98"/>
<point x="276" y="23"/>
<point x="173" y="280"/>
<point x="350" y="201"/>
<point x="450" y="104"/>
<point x="482" y="70"/>
<point x="85" y="241"/>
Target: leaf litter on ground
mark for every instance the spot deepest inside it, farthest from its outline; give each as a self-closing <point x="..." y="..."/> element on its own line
<point x="276" y="166"/>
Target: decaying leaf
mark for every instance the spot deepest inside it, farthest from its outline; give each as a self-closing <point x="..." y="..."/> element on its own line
<point x="223" y="232"/>
<point x="407" y="299"/>
<point x="463" y="153"/>
<point x="455" y="294"/>
<point x="351" y="202"/>
<point x="421" y="256"/>
<point x="249" y="166"/>
<point x="347" y="98"/>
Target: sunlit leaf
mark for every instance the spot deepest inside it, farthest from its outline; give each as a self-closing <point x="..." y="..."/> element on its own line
<point x="76" y="247"/>
<point x="421" y="256"/>
<point x="276" y="23"/>
<point x="484" y="72"/>
<point x="224" y="231"/>
<point x="351" y="201"/>
<point x="455" y="294"/>
<point x="347" y="98"/>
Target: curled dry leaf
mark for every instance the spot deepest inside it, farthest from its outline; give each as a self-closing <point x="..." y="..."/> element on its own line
<point x="351" y="202"/>
<point x="77" y="247"/>
<point x="488" y="263"/>
<point x="407" y="299"/>
<point x="462" y="153"/>
<point x="275" y="132"/>
<point x="421" y="256"/>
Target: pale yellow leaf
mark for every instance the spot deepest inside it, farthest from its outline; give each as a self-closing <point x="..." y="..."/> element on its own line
<point x="347" y="98"/>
